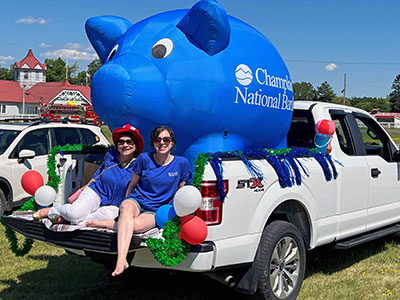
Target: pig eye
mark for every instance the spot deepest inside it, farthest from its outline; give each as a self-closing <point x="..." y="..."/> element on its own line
<point x="112" y="53"/>
<point x="162" y="48"/>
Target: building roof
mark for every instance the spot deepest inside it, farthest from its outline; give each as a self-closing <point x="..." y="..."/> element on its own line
<point x="386" y="115"/>
<point x="30" y="62"/>
<point x="10" y="91"/>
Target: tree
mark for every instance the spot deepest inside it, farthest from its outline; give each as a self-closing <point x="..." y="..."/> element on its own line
<point x="93" y="66"/>
<point x="394" y="96"/>
<point x="79" y="79"/>
<point x="7" y="74"/>
<point x="368" y="103"/>
<point x="56" y="69"/>
<point x="325" y="93"/>
<point x="304" y="91"/>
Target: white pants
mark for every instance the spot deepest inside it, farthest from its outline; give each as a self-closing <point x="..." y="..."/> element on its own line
<point x="85" y="208"/>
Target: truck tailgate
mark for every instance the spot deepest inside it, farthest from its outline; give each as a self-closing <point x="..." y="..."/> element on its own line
<point x="79" y="239"/>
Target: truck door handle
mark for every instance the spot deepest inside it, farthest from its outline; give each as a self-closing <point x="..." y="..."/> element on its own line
<point x="375" y="172"/>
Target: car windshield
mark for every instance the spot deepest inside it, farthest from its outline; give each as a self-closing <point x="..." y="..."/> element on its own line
<point x="6" y="138"/>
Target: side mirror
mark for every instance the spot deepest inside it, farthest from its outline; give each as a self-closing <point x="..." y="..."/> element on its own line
<point x="25" y="154"/>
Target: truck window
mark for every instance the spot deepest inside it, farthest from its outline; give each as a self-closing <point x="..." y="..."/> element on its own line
<point x="89" y="138"/>
<point x="343" y="132"/>
<point x="375" y="140"/>
<point x="301" y="132"/>
<point x="67" y="136"/>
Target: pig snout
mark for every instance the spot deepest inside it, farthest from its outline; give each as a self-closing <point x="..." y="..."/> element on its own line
<point x="122" y="91"/>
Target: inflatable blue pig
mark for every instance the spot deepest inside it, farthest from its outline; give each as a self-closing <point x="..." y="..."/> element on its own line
<point x="216" y="81"/>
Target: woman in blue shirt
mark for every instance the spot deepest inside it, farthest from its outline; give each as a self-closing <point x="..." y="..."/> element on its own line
<point x="155" y="179"/>
<point x="101" y="197"/>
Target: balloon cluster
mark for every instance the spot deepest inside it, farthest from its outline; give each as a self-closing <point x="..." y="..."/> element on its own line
<point x="186" y="201"/>
<point x="32" y="183"/>
<point x="324" y="130"/>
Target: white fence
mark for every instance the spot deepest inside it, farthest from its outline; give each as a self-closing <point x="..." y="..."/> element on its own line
<point x="26" y="117"/>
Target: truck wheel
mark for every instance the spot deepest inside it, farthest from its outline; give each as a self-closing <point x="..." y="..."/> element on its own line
<point x="2" y="202"/>
<point x="282" y="261"/>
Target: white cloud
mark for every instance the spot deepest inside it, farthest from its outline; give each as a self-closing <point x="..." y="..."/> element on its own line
<point x="4" y="58"/>
<point x="73" y="45"/>
<point x="331" y="67"/>
<point x="44" y="45"/>
<point x="72" y="54"/>
<point x="32" y="20"/>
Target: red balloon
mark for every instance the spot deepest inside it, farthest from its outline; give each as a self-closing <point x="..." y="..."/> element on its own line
<point x="325" y="126"/>
<point x="193" y="229"/>
<point x="31" y="181"/>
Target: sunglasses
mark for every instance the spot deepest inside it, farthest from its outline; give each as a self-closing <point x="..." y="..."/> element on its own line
<point x="166" y="140"/>
<point x="129" y="142"/>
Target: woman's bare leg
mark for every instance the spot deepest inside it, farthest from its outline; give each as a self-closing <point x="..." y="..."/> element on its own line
<point x="128" y="211"/>
<point x="107" y="224"/>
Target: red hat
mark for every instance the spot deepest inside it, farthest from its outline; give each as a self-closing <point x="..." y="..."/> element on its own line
<point x="131" y="130"/>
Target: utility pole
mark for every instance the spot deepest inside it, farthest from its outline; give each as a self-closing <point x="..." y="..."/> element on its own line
<point x="23" y="99"/>
<point x="66" y="71"/>
<point x="344" y="90"/>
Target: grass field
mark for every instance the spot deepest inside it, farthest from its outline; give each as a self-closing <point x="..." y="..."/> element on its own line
<point x="370" y="271"/>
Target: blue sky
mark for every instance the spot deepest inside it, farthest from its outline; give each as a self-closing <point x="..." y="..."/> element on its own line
<point x="319" y="40"/>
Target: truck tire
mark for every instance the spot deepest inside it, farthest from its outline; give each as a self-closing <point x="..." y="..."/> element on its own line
<point x="2" y="203"/>
<point x="282" y="262"/>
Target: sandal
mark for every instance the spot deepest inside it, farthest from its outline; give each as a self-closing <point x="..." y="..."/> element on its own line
<point x="57" y="219"/>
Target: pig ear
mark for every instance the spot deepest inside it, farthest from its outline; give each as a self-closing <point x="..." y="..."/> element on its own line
<point x="103" y="32"/>
<point x="206" y="26"/>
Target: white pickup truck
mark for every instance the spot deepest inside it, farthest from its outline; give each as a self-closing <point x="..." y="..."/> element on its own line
<point x="258" y="237"/>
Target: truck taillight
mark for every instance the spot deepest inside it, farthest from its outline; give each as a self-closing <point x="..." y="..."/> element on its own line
<point x="211" y="207"/>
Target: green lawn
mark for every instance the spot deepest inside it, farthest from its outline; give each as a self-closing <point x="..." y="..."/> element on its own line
<point x="371" y="271"/>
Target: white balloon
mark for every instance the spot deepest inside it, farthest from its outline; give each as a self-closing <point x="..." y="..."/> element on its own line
<point x="45" y="195"/>
<point x="187" y="199"/>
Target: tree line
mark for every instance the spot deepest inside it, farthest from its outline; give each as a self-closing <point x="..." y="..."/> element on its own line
<point x="324" y="92"/>
<point x="57" y="70"/>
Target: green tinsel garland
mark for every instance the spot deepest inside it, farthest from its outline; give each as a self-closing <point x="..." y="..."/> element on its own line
<point x="54" y="180"/>
<point x="170" y="251"/>
<point x="199" y="166"/>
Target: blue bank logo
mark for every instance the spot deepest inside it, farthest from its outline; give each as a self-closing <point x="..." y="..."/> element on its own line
<point x="243" y="74"/>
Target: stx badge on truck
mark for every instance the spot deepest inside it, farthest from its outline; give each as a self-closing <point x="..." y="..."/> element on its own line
<point x="254" y="184"/>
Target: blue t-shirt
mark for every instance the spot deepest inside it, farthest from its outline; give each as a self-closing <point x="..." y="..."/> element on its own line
<point x="112" y="184"/>
<point x="158" y="184"/>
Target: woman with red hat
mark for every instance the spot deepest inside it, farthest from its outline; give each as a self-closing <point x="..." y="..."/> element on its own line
<point x="101" y="197"/>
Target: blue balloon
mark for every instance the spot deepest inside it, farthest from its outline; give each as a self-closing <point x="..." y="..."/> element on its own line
<point x="216" y="81"/>
<point x="164" y="214"/>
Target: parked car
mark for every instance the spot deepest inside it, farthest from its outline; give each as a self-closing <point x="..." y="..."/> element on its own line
<point x="25" y="147"/>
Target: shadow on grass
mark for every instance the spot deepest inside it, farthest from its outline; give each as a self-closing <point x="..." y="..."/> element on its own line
<point x="327" y="260"/>
<point x="70" y="277"/>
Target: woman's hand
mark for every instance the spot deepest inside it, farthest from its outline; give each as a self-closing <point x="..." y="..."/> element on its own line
<point x="132" y="184"/>
<point x="87" y="184"/>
